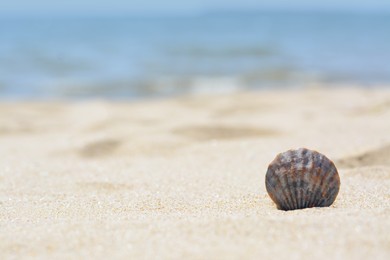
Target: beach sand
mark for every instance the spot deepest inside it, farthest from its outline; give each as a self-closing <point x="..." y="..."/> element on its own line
<point x="184" y="178"/>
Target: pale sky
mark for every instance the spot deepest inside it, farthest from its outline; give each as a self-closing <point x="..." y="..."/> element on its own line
<point x="180" y="6"/>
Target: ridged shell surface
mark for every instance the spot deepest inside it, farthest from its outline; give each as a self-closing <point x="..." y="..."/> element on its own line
<point x="302" y="178"/>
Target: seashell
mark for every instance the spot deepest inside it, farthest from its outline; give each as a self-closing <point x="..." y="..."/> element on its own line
<point x="302" y="178"/>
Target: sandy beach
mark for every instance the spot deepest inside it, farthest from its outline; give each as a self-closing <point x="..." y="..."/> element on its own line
<point x="183" y="178"/>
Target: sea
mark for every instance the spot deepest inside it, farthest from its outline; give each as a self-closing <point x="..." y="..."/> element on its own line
<point x="132" y="57"/>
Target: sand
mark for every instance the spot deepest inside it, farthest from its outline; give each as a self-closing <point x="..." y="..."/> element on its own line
<point x="184" y="178"/>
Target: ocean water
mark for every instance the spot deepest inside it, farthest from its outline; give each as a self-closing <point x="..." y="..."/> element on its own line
<point x="137" y="57"/>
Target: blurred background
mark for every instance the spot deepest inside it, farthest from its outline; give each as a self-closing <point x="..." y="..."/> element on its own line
<point x="135" y="49"/>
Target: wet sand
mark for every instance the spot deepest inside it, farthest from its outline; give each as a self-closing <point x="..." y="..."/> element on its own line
<point x="184" y="177"/>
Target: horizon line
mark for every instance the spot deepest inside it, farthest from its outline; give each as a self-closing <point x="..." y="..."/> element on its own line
<point x="189" y="13"/>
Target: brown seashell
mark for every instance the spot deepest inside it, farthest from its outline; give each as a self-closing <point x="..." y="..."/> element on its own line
<point x="302" y="178"/>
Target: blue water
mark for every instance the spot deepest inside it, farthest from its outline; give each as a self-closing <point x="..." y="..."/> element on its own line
<point x="132" y="57"/>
